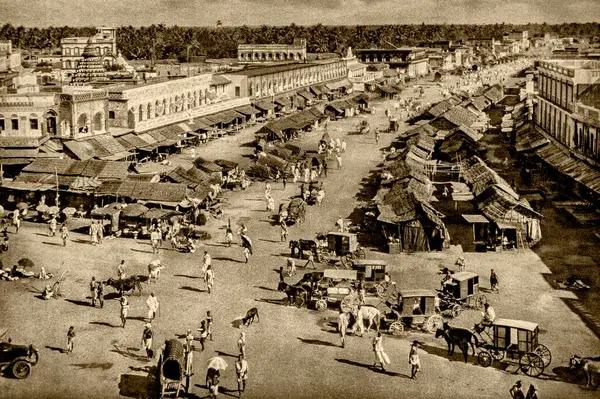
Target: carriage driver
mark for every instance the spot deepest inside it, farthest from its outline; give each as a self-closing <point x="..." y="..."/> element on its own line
<point x="488" y="316"/>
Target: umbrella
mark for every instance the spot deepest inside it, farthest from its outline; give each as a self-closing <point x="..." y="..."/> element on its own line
<point x="69" y="211"/>
<point x="25" y="262"/>
<point x="53" y="210"/>
<point x="22" y="206"/>
<point x="247" y="241"/>
<point x="43" y="208"/>
<point x="1" y="211"/>
<point x="216" y="363"/>
<point x="134" y="210"/>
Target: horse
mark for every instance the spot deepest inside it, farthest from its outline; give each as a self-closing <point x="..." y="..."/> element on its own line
<point x="127" y="285"/>
<point x="367" y="312"/>
<point x="250" y="316"/>
<point x="591" y="366"/>
<point x="458" y="336"/>
<point x="293" y="293"/>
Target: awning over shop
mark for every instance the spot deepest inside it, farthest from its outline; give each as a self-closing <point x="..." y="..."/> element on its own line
<point x="230" y="116"/>
<point x="247" y="110"/>
<point x="306" y="95"/>
<point x="343" y="83"/>
<point x="388" y="89"/>
<point x="578" y="170"/>
<point x="283" y="101"/>
<point x="475" y="219"/>
<point x="506" y="226"/>
<point x="264" y="105"/>
<point x="198" y="125"/>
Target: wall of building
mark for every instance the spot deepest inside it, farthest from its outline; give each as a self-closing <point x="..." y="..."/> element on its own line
<point x="104" y="42"/>
<point x="27" y="116"/>
<point x="83" y="112"/>
<point x="250" y="53"/>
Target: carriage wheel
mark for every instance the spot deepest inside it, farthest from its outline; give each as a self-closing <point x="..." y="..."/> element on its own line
<point x="498" y="354"/>
<point x="434" y="323"/>
<point x="321" y="305"/>
<point x="456" y="310"/>
<point x="360" y="253"/>
<point x="484" y="359"/>
<point x="396" y="328"/>
<point x="347" y="260"/>
<point x="531" y="364"/>
<point x="324" y="257"/>
<point x="21" y="369"/>
<point x="480" y="301"/>
<point x="299" y="302"/>
<point x="543" y="352"/>
<point x="381" y="291"/>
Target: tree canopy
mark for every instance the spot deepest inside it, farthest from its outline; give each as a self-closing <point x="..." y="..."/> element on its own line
<point x="221" y="42"/>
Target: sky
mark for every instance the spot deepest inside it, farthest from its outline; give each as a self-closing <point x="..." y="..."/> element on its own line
<point x="43" y="13"/>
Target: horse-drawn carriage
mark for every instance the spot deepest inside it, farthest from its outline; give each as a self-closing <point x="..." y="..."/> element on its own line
<point x="346" y="246"/>
<point x="414" y="308"/>
<point x="513" y="339"/>
<point x="175" y="366"/>
<point x="336" y="286"/>
<point x="363" y="127"/>
<point x="372" y="272"/>
<point x="318" y="247"/>
<point x="459" y="291"/>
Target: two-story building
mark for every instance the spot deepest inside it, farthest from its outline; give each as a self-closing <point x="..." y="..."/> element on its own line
<point x="10" y="58"/>
<point x="104" y="43"/>
<point x="278" y="79"/>
<point x="411" y="59"/>
<point x="270" y="53"/>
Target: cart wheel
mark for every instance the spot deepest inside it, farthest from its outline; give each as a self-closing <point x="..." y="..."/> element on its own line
<point x="531" y="364"/>
<point x="360" y="253"/>
<point x="347" y="260"/>
<point x="434" y="323"/>
<point x="321" y="305"/>
<point x="456" y="310"/>
<point x="484" y="359"/>
<point x="381" y="291"/>
<point x="396" y="328"/>
<point x="543" y="352"/>
<point x="480" y="301"/>
<point x="299" y="302"/>
<point x="324" y="257"/>
<point x="21" y="369"/>
<point x="498" y="354"/>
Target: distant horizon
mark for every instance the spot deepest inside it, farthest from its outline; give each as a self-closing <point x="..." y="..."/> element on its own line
<point x="255" y="13"/>
<point x="285" y="25"/>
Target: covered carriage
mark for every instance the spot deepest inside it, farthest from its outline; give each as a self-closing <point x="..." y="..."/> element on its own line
<point x="516" y="340"/>
<point x="372" y="273"/>
<point x="336" y="287"/>
<point x="415" y="308"/>
<point x="459" y="291"/>
<point x="346" y="246"/>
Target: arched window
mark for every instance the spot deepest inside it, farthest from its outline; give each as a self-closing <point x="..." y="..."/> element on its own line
<point x="164" y="106"/>
<point x="130" y="119"/>
<point x="34" y="123"/>
<point x="51" y="122"/>
<point x="140" y="113"/>
<point x="68" y="64"/>
<point x="156" y="108"/>
<point x="98" y="122"/>
<point x="2" y="124"/>
<point x="148" y="112"/>
<point x="82" y="122"/>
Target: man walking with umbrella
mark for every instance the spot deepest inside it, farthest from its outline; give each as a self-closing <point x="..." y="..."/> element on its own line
<point x="214" y="365"/>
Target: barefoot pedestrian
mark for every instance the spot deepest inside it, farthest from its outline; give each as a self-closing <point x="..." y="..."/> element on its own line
<point x="342" y="327"/>
<point x="202" y="333"/>
<point x="247" y="254"/>
<point x="516" y="391"/>
<point x="311" y="260"/>
<point x="52" y="226"/>
<point x="532" y="392"/>
<point x="229" y="236"/>
<point x="189" y="340"/>
<point x="101" y="294"/>
<point x="100" y="231"/>
<point x="209" y="278"/>
<point x="209" y="323"/>
<point x="147" y="335"/>
<point x="94" y="291"/>
<point x="413" y="359"/>
<point x="242" y="344"/>
<point x="121" y="270"/>
<point x="241" y="369"/>
<point x="494" y="281"/>
<point x="124" y="309"/>
<point x="284" y="232"/>
<point x="152" y="303"/>
<point x="70" y="339"/>
<point x="206" y="262"/>
<point x="64" y="233"/>
<point x="380" y="356"/>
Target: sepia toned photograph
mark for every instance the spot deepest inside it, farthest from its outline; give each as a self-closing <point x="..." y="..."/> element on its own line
<point x="317" y="199"/>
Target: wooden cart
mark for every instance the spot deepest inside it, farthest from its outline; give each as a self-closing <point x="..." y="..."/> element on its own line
<point x="416" y="308"/>
<point x="460" y="291"/>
